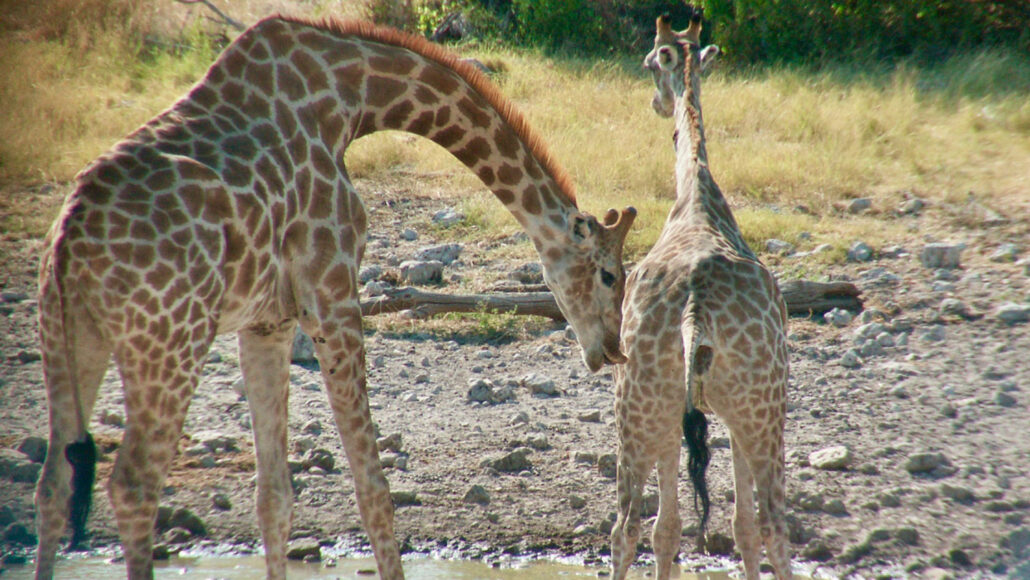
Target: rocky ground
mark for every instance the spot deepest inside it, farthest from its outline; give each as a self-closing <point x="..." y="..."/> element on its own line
<point x="907" y="437"/>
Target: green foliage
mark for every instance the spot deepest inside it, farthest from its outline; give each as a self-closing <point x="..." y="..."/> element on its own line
<point x="571" y="25"/>
<point x="818" y="31"/>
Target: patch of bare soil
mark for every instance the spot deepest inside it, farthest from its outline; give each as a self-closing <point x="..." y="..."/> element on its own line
<point x="932" y="406"/>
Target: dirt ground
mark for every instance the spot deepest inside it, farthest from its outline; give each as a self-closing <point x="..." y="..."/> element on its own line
<point x="934" y="414"/>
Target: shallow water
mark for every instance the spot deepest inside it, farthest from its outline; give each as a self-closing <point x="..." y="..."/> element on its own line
<point x="253" y="568"/>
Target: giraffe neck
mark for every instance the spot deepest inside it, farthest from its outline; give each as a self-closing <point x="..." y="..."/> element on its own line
<point x="324" y="85"/>
<point x="698" y="198"/>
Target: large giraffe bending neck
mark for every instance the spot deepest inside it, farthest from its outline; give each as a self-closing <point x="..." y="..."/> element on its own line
<point x="232" y="211"/>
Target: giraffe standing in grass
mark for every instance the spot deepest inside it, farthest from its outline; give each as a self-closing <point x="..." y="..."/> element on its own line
<point x="703" y="330"/>
<point x="232" y="212"/>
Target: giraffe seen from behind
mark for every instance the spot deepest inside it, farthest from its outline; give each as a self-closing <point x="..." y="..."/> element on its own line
<point x="232" y="211"/>
<point x="703" y="331"/>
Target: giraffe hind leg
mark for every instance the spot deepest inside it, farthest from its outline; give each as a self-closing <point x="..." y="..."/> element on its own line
<point x="745" y="530"/>
<point x="75" y="358"/>
<point x="157" y="396"/>
<point x="665" y="538"/>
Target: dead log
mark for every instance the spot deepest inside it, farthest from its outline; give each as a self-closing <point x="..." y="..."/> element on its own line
<point x="803" y="297"/>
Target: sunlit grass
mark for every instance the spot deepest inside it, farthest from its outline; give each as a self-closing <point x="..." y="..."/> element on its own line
<point x="777" y="139"/>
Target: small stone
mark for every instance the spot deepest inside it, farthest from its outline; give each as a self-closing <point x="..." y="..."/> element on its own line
<point x="939" y="255"/>
<point x="520" y="418"/>
<point x="392" y="442"/>
<point x="301" y="445"/>
<point x="838" y="317"/>
<point x="831" y="458"/>
<point x="405" y="498"/>
<point x="924" y="462"/>
<point x="859" y="205"/>
<point x="1011" y="313"/>
<point x="954" y="307"/>
<point x="369" y="273"/>
<point x="319" y="457"/>
<point x="879" y="535"/>
<point x="409" y="235"/>
<point x="817" y="551"/>
<point x="112" y="419"/>
<point x="538" y="442"/>
<point x="809" y="502"/>
<point x="957" y="493"/>
<point x="34" y="448"/>
<point x="513" y="462"/>
<point x="907" y="536"/>
<point x="889" y="499"/>
<point x="18" y="533"/>
<point x="303" y="348"/>
<point x="1004" y="399"/>
<point x="477" y="494"/>
<point x="16" y="466"/>
<point x="448" y="217"/>
<point x="221" y="501"/>
<point x="176" y="536"/>
<point x="860" y="252"/>
<point x="719" y="544"/>
<point x="576" y="502"/>
<point x="540" y="385"/>
<point x="184" y="518"/>
<point x="851" y="359"/>
<point x="445" y="253"/>
<point x="607" y="465"/>
<point x="1005" y="253"/>
<point x="774" y="246"/>
<point x="418" y="272"/>
<point x="856" y="552"/>
<point x="593" y="416"/>
<point x="302" y="548"/>
<point x="912" y="206"/>
<point x="312" y="427"/>
<point x="959" y="557"/>
<point x="528" y="273"/>
<point x="585" y="457"/>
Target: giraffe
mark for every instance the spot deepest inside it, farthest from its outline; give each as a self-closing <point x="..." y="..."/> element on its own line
<point x="232" y="211"/>
<point x="703" y="331"/>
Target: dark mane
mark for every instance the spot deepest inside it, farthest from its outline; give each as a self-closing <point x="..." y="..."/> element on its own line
<point x="476" y="79"/>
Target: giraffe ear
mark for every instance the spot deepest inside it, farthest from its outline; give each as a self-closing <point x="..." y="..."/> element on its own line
<point x="709" y="55"/>
<point x="666" y="58"/>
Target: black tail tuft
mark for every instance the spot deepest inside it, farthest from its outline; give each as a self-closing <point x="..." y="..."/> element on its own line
<point x="695" y="433"/>
<point x="83" y="457"/>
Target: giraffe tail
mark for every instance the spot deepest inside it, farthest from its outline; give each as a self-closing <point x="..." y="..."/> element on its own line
<point x="81" y="453"/>
<point x="695" y="425"/>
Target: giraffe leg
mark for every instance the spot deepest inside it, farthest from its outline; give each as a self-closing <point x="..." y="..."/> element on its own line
<point x="155" y="411"/>
<point x="53" y="489"/>
<point x="772" y="520"/>
<point x="342" y="360"/>
<point x="265" y="362"/>
<point x="630" y="477"/>
<point x="667" y="528"/>
<point x="745" y="532"/>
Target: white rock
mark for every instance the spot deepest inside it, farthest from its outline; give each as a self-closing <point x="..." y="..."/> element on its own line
<point x="422" y="272"/>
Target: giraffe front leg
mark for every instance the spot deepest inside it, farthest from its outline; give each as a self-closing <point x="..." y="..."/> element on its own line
<point x="772" y="518"/>
<point x="630" y="477"/>
<point x="667" y="528"/>
<point x="342" y="360"/>
<point x="265" y="362"/>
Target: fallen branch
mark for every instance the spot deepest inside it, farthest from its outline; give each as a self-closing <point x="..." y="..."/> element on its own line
<point x="225" y="18"/>
<point x="801" y="296"/>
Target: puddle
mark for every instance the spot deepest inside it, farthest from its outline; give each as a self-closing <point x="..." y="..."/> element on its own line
<point x="416" y="568"/>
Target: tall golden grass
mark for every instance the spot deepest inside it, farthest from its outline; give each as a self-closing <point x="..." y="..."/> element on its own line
<point x="78" y="75"/>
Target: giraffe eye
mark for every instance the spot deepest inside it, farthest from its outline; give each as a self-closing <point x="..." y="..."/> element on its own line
<point x="607" y="278"/>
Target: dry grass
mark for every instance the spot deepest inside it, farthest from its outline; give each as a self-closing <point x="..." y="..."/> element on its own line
<point x="777" y="140"/>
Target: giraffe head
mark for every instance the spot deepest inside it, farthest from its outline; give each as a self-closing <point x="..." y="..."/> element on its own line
<point x="676" y="55"/>
<point x="584" y="271"/>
